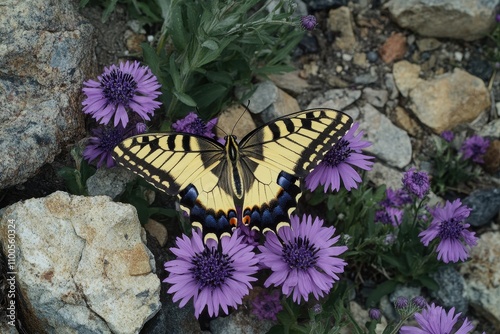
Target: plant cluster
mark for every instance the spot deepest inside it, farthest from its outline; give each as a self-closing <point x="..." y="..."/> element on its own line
<point x="342" y="227"/>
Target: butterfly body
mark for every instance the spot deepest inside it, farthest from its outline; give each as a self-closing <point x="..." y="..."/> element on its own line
<point x="254" y="181"/>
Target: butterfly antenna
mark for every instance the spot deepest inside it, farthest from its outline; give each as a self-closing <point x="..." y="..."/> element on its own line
<point x="243" y="113"/>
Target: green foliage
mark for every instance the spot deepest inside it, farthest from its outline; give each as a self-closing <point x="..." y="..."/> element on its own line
<point x="450" y="169"/>
<point x="494" y="52"/>
<point x="136" y="194"/>
<point x="145" y="11"/>
<point x="206" y="48"/>
<point x="76" y="178"/>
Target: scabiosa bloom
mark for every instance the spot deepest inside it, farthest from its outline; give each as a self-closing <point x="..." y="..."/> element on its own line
<point x="401" y="302"/>
<point x="419" y="301"/>
<point x="308" y="22"/>
<point x="120" y="89"/>
<point x="336" y="165"/>
<point x="474" y="148"/>
<point x="215" y="275"/>
<point x="389" y="215"/>
<point x="266" y="305"/>
<point x="374" y="314"/>
<point x="303" y="258"/>
<point x="448" y="225"/>
<point x="193" y="124"/>
<point x="447" y="135"/>
<point x="101" y="145"/>
<point x="416" y="183"/>
<point x="435" y="320"/>
<point x="140" y="128"/>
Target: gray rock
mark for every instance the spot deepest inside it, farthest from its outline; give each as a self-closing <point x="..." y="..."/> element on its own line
<point x="264" y="94"/>
<point x="460" y="19"/>
<point x="82" y="264"/>
<point x="338" y="99"/>
<point x="109" y="181"/>
<point x="240" y="322"/>
<point x="48" y="51"/>
<point x="485" y="205"/>
<point x="451" y="292"/>
<point x="375" y="97"/>
<point x="389" y="142"/>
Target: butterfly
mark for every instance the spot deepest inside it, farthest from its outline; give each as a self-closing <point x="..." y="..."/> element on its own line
<point x="254" y="181"/>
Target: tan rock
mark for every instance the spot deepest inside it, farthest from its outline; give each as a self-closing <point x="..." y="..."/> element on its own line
<point x="492" y="157"/>
<point x="406" y="76"/>
<point x="404" y="121"/>
<point x="290" y="82"/>
<point x="449" y="100"/>
<point x="394" y="48"/>
<point x="340" y="21"/>
<point x="157" y="230"/>
<point x="81" y="263"/>
<point x="234" y="120"/>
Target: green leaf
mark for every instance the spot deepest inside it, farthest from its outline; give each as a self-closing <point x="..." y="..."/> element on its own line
<point x="381" y="290"/>
<point x="210" y="44"/>
<point x="428" y="282"/>
<point x="108" y="10"/>
<point x="180" y="36"/>
<point x="72" y="180"/>
<point x="208" y="93"/>
<point x="184" y="98"/>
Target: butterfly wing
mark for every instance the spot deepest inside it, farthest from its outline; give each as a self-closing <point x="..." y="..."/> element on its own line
<point x="186" y="165"/>
<point x="275" y="155"/>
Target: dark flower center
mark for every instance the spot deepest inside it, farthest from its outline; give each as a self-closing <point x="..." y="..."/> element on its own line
<point x="450" y="229"/>
<point x="198" y="127"/>
<point x="111" y="137"/>
<point x="211" y="268"/>
<point x="338" y="154"/>
<point x="118" y="87"/>
<point x="299" y="254"/>
<point x="419" y="179"/>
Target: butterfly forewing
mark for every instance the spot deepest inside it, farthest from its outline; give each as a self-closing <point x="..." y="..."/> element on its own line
<point x="296" y="143"/>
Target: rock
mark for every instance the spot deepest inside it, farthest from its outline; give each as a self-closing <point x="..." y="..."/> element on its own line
<point x="451" y="292"/>
<point x="157" y="230"/>
<point x="482" y="277"/>
<point x="82" y="265"/>
<point x="492" y="129"/>
<point x="109" y="181"/>
<point x="290" y="82"/>
<point x="375" y="97"/>
<point x="390" y="84"/>
<point x="265" y="93"/>
<point x="317" y="5"/>
<point x="46" y="54"/>
<point x="366" y="78"/>
<point x="485" y="205"/>
<point x="382" y="174"/>
<point x="284" y="105"/>
<point x="341" y="23"/>
<point x="394" y="48"/>
<point x="404" y="121"/>
<point x="234" y="120"/>
<point x="359" y="59"/>
<point x="449" y="100"/>
<point x="480" y="68"/>
<point x="372" y="56"/>
<point x="5" y="328"/>
<point x="389" y="143"/>
<point x="338" y="99"/>
<point x="133" y="41"/>
<point x="406" y="76"/>
<point x="492" y="157"/>
<point x="428" y="44"/>
<point x="308" y="44"/>
<point x="460" y="19"/>
<point x="240" y="322"/>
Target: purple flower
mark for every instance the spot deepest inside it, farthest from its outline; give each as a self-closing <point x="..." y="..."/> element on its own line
<point x="389" y="215"/>
<point x="336" y="165"/>
<point x="434" y="320"/>
<point x="214" y="275"/>
<point x="401" y="302"/>
<point x="416" y="183"/>
<point x="303" y="258"/>
<point x="396" y="198"/>
<point x="140" y="128"/>
<point x="267" y="305"/>
<point x="193" y="124"/>
<point x="419" y="301"/>
<point x="250" y="236"/>
<point x="308" y="22"/>
<point x="448" y="225"/>
<point x="102" y="143"/>
<point x="128" y="87"/>
<point x="448" y="136"/>
<point x="497" y="18"/>
<point x="374" y="314"/>
<point x="474" y="148"/>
